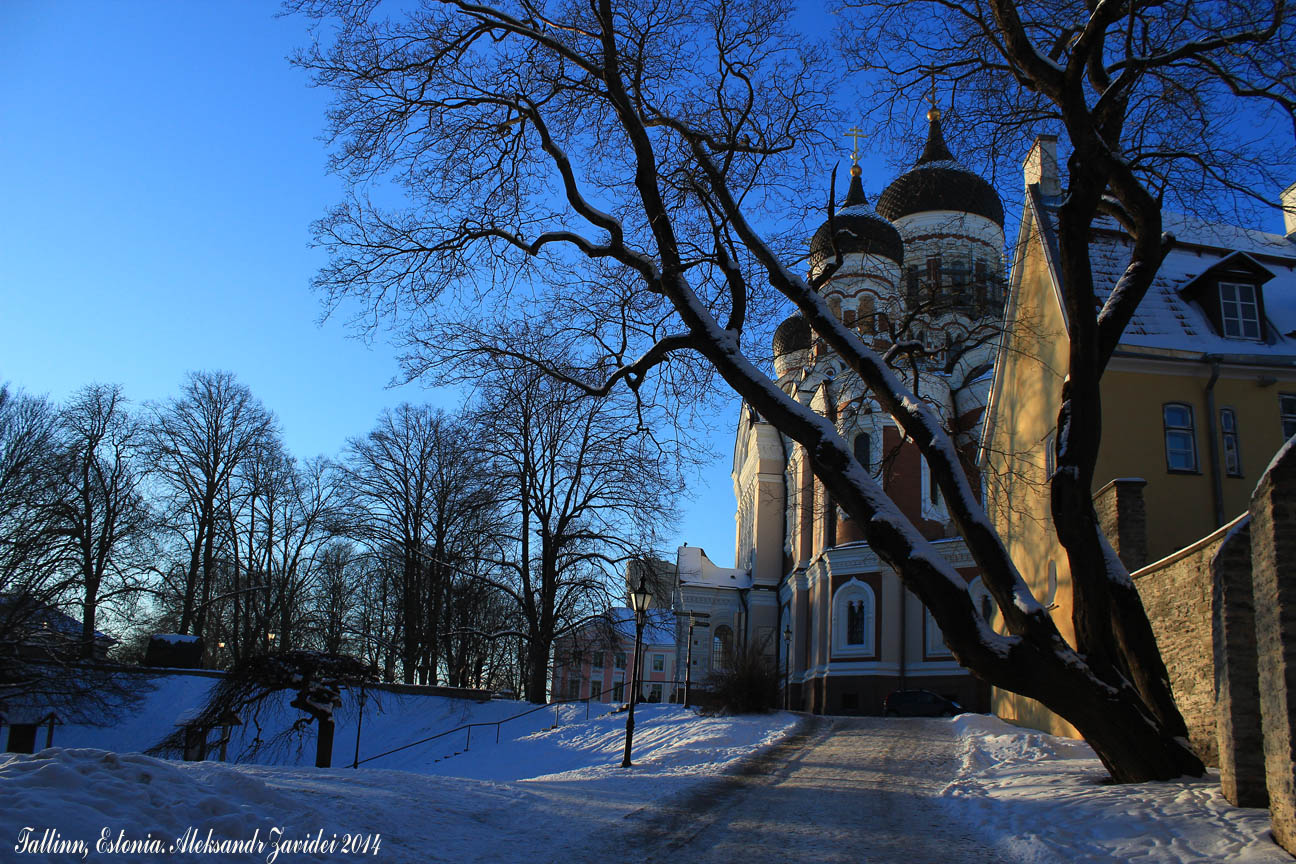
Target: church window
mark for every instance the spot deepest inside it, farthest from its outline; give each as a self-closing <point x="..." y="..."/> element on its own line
<point x="933" y="505"/>
<point x="864" y="450"/>
<point x="721" y="647"/>
<point x="1232" y="447"/>
<point x="854" y="620"/>
<point x="934" y="275"/>
<point x="1239" y="310"/>
<point x="1180" y="440"/>
<point x="911" y="285"/>
<point x="934" y="640"/>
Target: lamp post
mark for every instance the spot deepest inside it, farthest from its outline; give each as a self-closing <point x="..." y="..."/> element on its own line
<point x="270" y="640"/>
<point x="688" y="662"/>
<point x="640" y="600"/>
<point x="787" y="666"/>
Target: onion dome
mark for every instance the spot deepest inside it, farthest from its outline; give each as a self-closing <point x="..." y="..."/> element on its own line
<point x="937" y="182"/>
<point x="791" y="336"/>
<point x="859" y="230"/>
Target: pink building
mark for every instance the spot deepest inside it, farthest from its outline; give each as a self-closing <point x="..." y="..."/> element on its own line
<point x="595" y="662"/>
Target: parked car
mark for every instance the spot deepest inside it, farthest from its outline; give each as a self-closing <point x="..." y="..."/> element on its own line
<point x="919" y="703"/>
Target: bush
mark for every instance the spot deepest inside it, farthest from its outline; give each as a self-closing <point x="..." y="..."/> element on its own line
<point x="747" y="685"/>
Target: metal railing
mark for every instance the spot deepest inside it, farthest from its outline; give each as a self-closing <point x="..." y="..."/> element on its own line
<point x="468" y="727"/>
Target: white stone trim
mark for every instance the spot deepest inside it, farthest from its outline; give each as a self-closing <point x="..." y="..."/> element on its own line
<point x="853" y="590"/>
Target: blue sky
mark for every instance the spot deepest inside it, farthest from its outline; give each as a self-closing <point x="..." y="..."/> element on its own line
<point x="160" y="165"/>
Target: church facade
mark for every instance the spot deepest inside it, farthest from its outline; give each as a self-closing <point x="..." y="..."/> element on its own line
<point x="920" y="277"/>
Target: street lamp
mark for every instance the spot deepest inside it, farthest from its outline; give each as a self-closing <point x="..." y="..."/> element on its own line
<point x="688" y="661"/>
<point x="270" y="640"/>
<point x="640" y="600"/>
<point x="787" y="666"/>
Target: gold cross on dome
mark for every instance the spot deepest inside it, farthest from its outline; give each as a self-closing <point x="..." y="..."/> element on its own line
<point x="856" y="133"/>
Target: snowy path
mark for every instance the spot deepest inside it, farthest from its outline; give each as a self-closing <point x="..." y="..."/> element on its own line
<point x="845" y="789"/>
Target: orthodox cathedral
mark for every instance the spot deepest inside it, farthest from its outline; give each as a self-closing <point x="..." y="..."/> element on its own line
<point x="921" y="277"/>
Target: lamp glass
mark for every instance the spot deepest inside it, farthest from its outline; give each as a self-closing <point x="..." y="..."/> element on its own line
<point x="640" y="598"/>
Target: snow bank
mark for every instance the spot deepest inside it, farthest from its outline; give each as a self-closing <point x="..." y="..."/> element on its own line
<point x="1038" y="798"/>
<point x="552" y="793"/>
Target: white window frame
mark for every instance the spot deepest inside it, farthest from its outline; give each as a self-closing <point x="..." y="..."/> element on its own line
<point x="1189" y="430"/>
<point x="851" y="591"/>
<point x="1232" y="442"/>
<point x="933" y="640"/>
<point x="1240" y="313"/>
<point x="659" y="662"/>
<point x="1287" y="414"/>
<point x="933" y="510"/>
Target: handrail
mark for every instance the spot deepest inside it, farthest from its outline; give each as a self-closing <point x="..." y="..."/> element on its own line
<point x="470" y="726"/>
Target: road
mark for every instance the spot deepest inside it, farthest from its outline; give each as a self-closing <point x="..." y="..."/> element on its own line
<point x="845" y="789"/>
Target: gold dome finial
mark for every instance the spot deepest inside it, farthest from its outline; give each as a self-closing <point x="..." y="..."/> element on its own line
<point x="933" y="114"/>
<point x="855" y="133"/>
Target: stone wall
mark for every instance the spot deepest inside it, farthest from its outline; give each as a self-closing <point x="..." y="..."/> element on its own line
<point x="1123" y="518"/>
<point x="1273" y="551"/>
<point x="1237" y="697"/>
<point x="1178" y="594"/>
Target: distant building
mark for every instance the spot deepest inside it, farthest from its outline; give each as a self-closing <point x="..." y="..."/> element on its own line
<point x="1200" y="393"/>
<point x="32" y="630"/>
<point x="596" y="661"/>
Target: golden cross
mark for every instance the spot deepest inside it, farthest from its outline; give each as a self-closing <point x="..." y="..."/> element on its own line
<point x="856" y="133"/>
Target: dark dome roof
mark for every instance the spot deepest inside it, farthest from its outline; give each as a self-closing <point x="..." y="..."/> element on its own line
<point x="792" y="335"/>
<point x="937" y="182"/>
<point x="859" y="230"/>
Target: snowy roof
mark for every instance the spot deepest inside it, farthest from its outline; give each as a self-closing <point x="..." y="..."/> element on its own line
<point x="1167" y="319"/>
<point x="696" y="569"/>
<point x="49" y="618"/>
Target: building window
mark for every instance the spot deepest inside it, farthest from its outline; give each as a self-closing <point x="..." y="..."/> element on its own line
<point x="1287" y="405"/>
<point x="934" y="640"/>
<point x="619" y="660"/>
<point x="596" y="690"/>
<point x="933" y="506"/>
<point x="1232" y="449"/>
<point x="659" y="662"/>
<point x="618" y="691"/>
<point x="596" y="660"/>
<point x="655" y="693"/>
<point x="934" y="276"/>
<point x="573" y="688"/>
<point x="1239" y="310"/>
<point x="853" y="620"/>
<point x="864" y="450"/>
<point x="721" y="648"/>
<point x="1180" y="442"/>
<point x="1050" y="456"/>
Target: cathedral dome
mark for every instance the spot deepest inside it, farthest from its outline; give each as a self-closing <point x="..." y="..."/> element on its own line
<point x="859" y="230"/>
<point x="791" y="336"/>
<point x="937" y="182"/>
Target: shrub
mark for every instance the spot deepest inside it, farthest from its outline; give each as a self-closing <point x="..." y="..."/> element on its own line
<point x="748" y="684"/>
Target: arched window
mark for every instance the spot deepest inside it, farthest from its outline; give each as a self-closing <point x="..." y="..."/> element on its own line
<point x="853" y="620"/>
<point x="721" y="647"/>
<point x="933" y="640"/>
<point x="864" y="450"/>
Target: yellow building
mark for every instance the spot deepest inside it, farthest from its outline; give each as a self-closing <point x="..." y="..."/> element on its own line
<point x="1198" y="396"/>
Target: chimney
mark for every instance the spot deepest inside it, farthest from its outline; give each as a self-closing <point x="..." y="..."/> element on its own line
<point x="1288" y="201"/>
<point x="1041" y="166"/>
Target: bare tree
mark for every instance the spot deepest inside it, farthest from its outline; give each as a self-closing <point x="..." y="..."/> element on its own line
<point x="197" y="440"/>
<point x="672" y="131"/>
<point x="105" y="521"/>
<point x="415" y="494"/>
<point x="587" y="492"/>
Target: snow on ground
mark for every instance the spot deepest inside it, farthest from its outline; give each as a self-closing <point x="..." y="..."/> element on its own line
<point x="540" y="797"/>
<point x="559" y="794"/>
<point x="1038" y="798"/>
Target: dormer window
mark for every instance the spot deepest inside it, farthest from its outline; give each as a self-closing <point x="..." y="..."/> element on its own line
<point x="1239" y="312"/>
